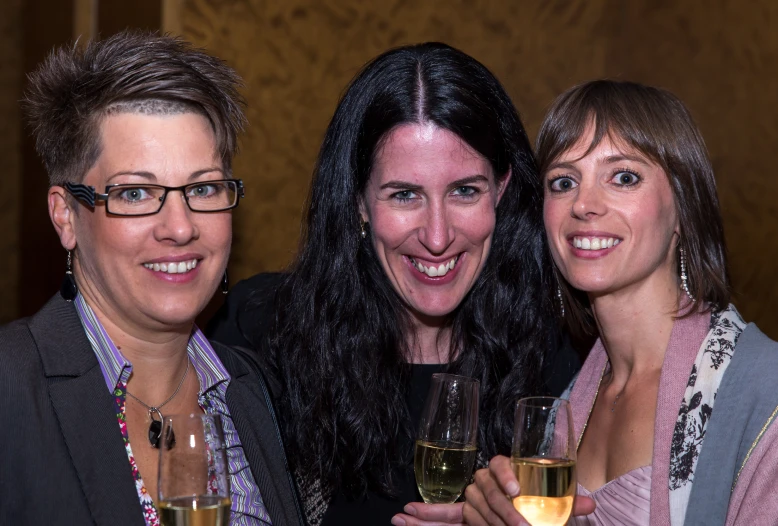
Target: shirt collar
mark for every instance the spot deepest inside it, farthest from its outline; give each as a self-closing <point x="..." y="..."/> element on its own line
<point x="115" y="367"/>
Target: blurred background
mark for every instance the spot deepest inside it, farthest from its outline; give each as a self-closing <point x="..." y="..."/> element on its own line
<point x="296" y="56"/>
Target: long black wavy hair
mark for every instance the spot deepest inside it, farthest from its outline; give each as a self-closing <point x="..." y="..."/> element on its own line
<point x="339" y="341"/>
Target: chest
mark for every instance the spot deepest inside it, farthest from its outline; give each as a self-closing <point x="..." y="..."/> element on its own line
<point x="619" y="436"/>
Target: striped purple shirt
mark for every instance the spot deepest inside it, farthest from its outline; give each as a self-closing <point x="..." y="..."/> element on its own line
<point x="247" y="506"/>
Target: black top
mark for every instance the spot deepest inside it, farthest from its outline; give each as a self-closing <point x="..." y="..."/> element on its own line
<point x="375" y="508"/>
<point x="249" y="313"/>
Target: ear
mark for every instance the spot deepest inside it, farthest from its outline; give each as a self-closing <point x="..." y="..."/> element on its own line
<point x="502" y="185"/>
<point x="363" y="210"/>
<point x="62" y="217"/>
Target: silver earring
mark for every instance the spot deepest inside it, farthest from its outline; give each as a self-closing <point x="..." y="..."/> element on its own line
<point x="363" y="231"/>
<point x="561" y="301"/>
<point x="684" y="277"/>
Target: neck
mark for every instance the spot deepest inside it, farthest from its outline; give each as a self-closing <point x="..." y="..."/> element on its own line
<point x="159" y="358"/>
<point x="429" y="342"/>
<point x="635" y="327"/>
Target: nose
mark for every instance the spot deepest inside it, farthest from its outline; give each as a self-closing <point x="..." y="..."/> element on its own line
<point x="589" y="201"/>
<point x="176" y="220"/>
<point x="437" y="233"/>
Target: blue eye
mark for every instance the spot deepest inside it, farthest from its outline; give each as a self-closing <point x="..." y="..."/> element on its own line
<point x="466" y="191"/>
<point x="562" y="184"/>
<point x="626" y="178"/>
<point x="404" y="195"/>
<point x="203" y="190"/>
<point x="134" y="194"/>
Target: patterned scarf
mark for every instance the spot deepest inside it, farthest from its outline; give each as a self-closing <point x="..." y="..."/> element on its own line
<point x="711" y="363"/>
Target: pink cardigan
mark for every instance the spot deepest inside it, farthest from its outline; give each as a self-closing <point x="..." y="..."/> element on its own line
<point x="753" y="500"/>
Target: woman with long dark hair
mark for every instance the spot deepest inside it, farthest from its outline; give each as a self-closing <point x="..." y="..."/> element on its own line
<point x="674" y="409"/>
<point x="423" y="252"/>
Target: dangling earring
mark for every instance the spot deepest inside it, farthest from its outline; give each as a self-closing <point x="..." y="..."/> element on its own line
<point x="69" y="289"/>
<point x="684" y="277"/>
<point x="362" y="229"/>
<point x="225" y="283"/>
<point x="561" y="301"/>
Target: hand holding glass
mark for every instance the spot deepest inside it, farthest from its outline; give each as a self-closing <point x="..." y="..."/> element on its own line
<point x="446" y="444"/>
<point x="543" y="459"/>
<point x="193" y="476"/>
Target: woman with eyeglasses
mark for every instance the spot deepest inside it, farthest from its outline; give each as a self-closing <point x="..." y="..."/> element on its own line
<point x="137" y="133"/>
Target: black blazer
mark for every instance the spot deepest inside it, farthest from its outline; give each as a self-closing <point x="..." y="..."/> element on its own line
<point x="62" y="459"/>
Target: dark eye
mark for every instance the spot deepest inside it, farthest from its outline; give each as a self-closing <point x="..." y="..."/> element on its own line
<point x="562" y="184"/>
<point x="625" y="178"/>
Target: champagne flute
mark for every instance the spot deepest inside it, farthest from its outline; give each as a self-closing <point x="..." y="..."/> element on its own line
<point x="193" y="476"/>
<point x="446" y="444"/>
<point x="543" y="459"/>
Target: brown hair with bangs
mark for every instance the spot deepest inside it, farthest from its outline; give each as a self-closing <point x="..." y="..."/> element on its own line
<point x="130" y="72"/>
<point x="657" y="124"/>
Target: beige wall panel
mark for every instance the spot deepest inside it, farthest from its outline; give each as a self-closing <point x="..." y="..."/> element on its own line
<point x="298" y="55"/>
<point x="10" y="131"/>
<point x="722" y="60"/>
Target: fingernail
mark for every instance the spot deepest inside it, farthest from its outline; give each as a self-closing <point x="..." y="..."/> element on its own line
<point x="410" y="510"/>
<point x="398" y="521"/>
<point x="512" y="488"/>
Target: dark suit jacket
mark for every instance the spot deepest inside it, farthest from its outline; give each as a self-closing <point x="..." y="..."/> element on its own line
<point x="62" y="459"/>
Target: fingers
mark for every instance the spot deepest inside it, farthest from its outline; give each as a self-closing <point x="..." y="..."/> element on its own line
<point x="502" y="471"/>
<point x="583" y="506"/>
<point x="487" y="504"/>
<point x="422" y="514"/>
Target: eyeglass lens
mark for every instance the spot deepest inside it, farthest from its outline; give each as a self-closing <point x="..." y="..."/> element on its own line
<point x="210" y="196"/>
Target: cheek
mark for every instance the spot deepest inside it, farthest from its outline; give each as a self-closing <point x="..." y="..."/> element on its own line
<point x="391" y="227"/>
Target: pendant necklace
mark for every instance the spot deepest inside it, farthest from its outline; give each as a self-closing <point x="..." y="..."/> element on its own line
<point x="155" y="428"/>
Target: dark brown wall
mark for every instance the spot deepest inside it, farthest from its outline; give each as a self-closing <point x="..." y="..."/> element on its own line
<point x="298" y="55"/>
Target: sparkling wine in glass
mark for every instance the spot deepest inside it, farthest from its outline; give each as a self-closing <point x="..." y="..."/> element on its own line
<point x="193" y="477"/>
<point x="543" y="459"/>
<point x="446" y="443"/>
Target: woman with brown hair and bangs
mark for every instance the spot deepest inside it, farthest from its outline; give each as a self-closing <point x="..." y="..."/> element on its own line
<point x="674" y="406"/>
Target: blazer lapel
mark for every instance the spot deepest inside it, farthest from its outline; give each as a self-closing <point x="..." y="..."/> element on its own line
<point x="85" y="410"/>
<point x="250" y="408"/>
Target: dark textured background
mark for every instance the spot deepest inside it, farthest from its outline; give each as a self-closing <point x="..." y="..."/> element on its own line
<point x="720" y="57"/>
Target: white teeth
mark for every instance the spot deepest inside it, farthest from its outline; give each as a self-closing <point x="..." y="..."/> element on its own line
<point x="594" y="243"/>
<point x="435" y="272"/>
<point x="172" y="267"/>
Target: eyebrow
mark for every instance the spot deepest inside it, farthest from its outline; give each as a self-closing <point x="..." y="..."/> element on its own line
<point x="611" y="159"/>
<point x="402" y="185"/>
<point x="151" y="177"/>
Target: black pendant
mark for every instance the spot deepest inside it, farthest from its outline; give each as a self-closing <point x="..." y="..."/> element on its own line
<point x="155" y="430"/>
<point x="69" y="289"/>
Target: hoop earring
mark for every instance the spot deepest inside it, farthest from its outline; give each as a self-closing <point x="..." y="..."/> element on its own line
<point x="684" y="277"/>
<point x="69" y="288"/>
<point x="561" y="301"/>
<point x="225" y="286"/>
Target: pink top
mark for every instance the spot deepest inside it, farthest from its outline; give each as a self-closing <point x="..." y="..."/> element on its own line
<point x="624" y="501"/>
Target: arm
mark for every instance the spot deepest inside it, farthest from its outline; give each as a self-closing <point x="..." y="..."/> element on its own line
<point x="754" y="499"/>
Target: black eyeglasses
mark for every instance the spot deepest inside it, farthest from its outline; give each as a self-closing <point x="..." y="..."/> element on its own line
<point x="148" y="199"/>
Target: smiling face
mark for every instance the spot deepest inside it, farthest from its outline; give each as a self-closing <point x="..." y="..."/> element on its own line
<point x="157" y="271"/>
<point x="610" y="218"/>
<point x="430" y="202"/>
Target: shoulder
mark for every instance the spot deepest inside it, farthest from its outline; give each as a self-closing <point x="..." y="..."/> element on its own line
<point x="248" y="311"/>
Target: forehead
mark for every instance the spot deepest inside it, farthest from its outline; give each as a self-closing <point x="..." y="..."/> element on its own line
<point x="157" y="144"/>
<point x="425" y="150"/>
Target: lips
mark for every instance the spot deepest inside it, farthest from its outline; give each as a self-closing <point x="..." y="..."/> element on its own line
<point x="172" y="267"/>
<point x="433" y="270"/>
